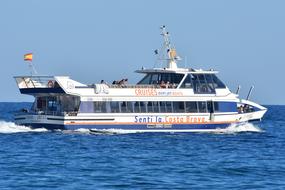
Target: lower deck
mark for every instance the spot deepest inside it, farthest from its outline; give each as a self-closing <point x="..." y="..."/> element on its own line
<point x="168" y="122"/>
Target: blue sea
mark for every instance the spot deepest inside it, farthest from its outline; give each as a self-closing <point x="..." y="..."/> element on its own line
<point x="243" y="157"/>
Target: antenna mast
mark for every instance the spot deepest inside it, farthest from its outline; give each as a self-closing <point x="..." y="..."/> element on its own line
<point x="169" y="53"/>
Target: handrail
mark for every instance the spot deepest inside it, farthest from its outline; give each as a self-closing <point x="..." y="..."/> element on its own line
<point x="129" y="86"/>
<point x="34" y="81"/>
<point x="50" y="113"/>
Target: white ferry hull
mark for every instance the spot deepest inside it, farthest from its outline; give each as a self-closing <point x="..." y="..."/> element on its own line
<point x="169" y="123"/>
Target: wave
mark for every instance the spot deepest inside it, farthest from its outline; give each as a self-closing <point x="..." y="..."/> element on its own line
<point x="240" y="127"/>
<point x="10" y="127"/>
<point x="106" y="131"/>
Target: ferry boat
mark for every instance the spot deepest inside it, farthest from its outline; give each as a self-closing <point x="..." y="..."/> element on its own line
<point x="166" y="99"/>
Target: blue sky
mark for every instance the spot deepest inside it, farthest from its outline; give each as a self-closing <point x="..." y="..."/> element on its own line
<point x="94" y="40"/>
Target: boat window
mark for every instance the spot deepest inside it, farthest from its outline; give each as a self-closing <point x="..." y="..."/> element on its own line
<point x="150" y="79"/>
<point x="172" y="78"/>
<point x="157" y="78"/>
<point x="100" y="107"/>
<point x="86" y="107"/>
<point x="217" y="82"/>
<point x="146" y="79"/>
<point x="52" y="104"/>
<point x="191" y="107"/>
<point x="153" y="107"/>
<point x="203" y="84"/>
<point x="115" y="108"/>
<point x="148" y="107"/>
<point x="226" y="107"/>
<point x="154" y="79"/>
<point x="130" y="107"/>
<point x="179" y="107"/>
<point x="162" y="107"/>
<point x="137" y="107"/>
<point x="187" y="83"/>
<point x="216" y="106"/>
<point x="143" y="107"/>
<point x="166" y="107"/>
<point x="126" y="107"/>
<point x="123" y="107"/>
<point x="41" y="103"/>
<point x="69" y="103"/>
<point x="156" y="108"/>
<point x="56" y="105"/>
<point x="202" y="107"/>
<point x="169" y="106"/>
<point x="210" y="83"/>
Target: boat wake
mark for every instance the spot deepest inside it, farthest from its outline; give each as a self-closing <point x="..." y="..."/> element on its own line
<point x="109" y="131"/>
<point x="10" y="127"/>
<point x="232" y="129"/>
<point x="239" y="128"/>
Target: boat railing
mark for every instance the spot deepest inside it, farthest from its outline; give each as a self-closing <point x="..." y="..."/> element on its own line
<point x="131" y="86"/>
<point x="141" y="86"/>
<point x="36" y="81"/>
<point x="49" y="113"/>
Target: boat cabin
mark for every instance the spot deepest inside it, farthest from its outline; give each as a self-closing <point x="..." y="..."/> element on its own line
<point x="202" y="82"/>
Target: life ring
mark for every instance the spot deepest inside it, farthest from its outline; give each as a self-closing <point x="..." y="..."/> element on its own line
<point x="50" y="84"/>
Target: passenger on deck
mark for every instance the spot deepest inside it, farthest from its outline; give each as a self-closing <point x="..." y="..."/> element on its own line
<point x="241" y="109"/>
<point x="173" y="85"/>
<point x="162" y="84"/>
<point x="246" y="108"/>
<point x="123" y="83"/>
<point x="103" y="82"/>
<point x="167" y="84"/>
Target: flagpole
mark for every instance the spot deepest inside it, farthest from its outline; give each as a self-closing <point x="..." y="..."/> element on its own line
<point x="32" y="69"/>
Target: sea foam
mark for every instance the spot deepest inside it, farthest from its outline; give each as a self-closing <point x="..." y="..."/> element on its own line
<point x="240" y="127"/>
<point x="10" y="127"/>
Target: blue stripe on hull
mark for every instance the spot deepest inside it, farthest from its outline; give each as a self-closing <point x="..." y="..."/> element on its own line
<point x="132" y="127"/>
<point x="47" y="126"/>
<point x="41" y="90"/>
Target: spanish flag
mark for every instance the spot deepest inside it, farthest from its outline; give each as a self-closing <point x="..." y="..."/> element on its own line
<point x="28" y="57"/>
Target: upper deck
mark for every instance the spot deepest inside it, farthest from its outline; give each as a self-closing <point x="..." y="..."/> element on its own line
<point x="170" y="81"/>
<point x="188" y="86"/>
<point x="45" y="84"/>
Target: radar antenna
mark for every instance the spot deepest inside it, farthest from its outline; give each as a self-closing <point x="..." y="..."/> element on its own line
<point x="167" y="52"/>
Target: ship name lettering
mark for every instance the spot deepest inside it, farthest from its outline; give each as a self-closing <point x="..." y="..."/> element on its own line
<point x="148" y="119"/>
<point x="195" y="119"/>
<point x="169" y="119"/>
<point x="145" y="92"/>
